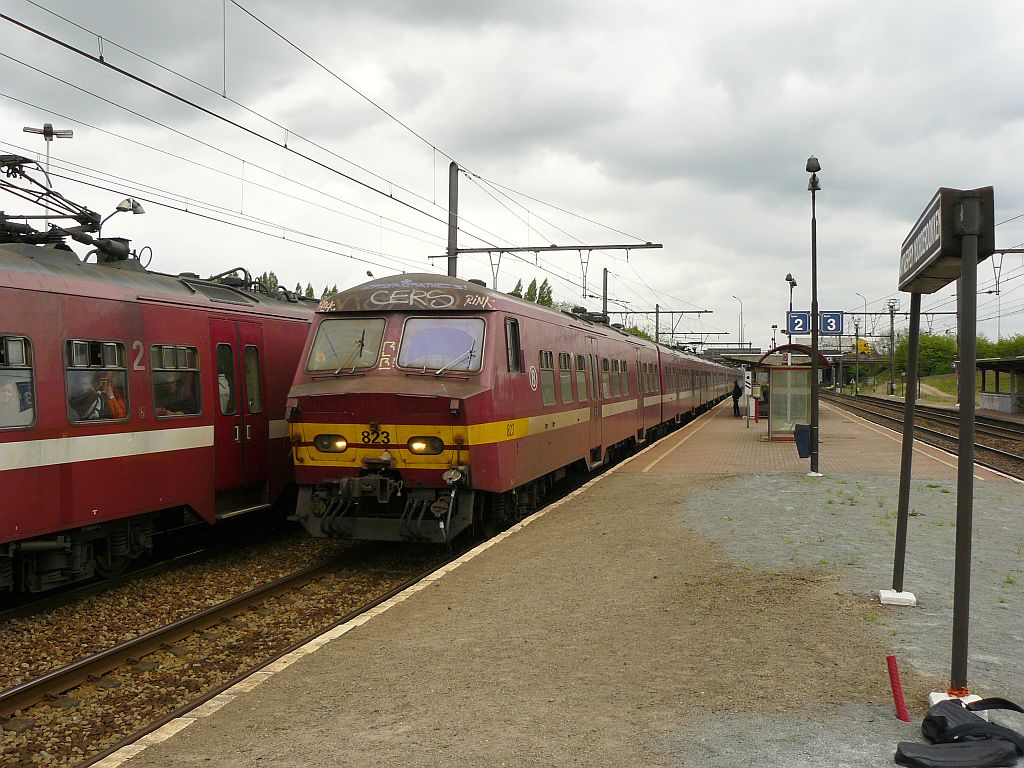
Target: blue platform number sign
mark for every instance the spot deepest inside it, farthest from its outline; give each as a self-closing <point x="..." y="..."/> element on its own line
<point x="798" y="322"/>
<point x="832" y="323"/>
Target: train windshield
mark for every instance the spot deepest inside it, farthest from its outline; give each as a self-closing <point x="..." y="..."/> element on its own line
<point x="346" y="345"/>
<point x="442" y="344"/>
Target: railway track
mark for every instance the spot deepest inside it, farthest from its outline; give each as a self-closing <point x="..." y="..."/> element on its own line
<point x="999" y="445"/>
<point x="79" y="713"/>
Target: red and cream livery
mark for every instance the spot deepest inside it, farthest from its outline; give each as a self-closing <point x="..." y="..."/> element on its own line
<point x="426" y="403"/>
<point x="130" y="402"/>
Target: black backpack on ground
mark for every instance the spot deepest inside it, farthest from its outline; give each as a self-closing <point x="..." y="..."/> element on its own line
<point x="962" y="739"/>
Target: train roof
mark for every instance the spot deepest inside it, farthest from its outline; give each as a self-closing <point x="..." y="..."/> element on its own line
<point x="426" y="292"/>
<point x="55" y="268"/>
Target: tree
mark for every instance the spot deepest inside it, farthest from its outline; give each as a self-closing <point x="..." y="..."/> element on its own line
<point x="269" y="279"/>
<point x="518" y="290"/>
<point x="298" y="289"/>
<point x="936" y="354"/>
<point x="531" y="291"/>
<point x="309" y="290"/>
<point x="634" y="331"/>
<point x="544" y="297"/>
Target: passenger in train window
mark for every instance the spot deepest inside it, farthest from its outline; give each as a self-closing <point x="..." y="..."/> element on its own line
<point x="95" y="396"/>
<point x="16" y="402"/>
<point x="175" y="393"/>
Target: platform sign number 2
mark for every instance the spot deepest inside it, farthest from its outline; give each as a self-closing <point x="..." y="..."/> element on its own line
<point x="799" y="322"/>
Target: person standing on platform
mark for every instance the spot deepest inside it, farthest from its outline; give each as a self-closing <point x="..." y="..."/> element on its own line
<point x="737" y="392"/>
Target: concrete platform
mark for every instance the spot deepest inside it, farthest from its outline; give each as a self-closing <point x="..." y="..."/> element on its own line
<point x="704" y="604"/>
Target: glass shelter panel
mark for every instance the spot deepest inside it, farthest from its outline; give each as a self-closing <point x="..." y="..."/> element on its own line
<point x="790" y="403"/>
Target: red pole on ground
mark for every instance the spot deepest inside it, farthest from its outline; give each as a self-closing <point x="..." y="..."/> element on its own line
<point x="897" y="690"/>
<point x="757" y="410"/>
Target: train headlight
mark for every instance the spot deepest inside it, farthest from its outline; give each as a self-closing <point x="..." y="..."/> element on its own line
<point x="425" y="446"/>
<point x="330" y="443"/>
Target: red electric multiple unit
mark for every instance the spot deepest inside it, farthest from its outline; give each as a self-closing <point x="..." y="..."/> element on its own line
<point x="425" y="404"/>
<point x="131" y="402"/>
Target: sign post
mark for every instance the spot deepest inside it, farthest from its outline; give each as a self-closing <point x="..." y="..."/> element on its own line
<point x="955" y="232"/>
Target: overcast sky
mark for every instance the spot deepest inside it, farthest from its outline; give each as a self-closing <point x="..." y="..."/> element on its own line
<point x="579" y="122"/>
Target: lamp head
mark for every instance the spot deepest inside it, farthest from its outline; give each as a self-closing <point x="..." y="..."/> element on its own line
<point x="130" y="204"/>
<point x="813" y="166"/>
<point x="813" y="185"/>
<point x="790" y="280"/>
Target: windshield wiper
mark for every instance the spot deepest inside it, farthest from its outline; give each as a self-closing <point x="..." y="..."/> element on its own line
<point x="468" y="353"/>
<point x="357" y="351"/>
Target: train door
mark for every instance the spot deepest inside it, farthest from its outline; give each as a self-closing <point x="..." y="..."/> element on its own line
<point x="241" y="428"/>
<point x="641" y="405"/>
<point x="595" y="405"/>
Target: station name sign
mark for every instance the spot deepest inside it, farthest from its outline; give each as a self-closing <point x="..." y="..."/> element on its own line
<point x="930" y="255"/>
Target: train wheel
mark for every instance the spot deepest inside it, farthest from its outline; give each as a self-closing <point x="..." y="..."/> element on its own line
<point x="110" y="566"/>
<point x="485" y="522"/>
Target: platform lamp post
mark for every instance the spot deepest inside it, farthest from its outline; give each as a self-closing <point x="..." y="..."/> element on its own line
<point x="813" y="166"/>
<point x="741" y="319"/>
<point x="775" y="327"/>
<point x="792" y="285"/>
<point x="865" y="311"/>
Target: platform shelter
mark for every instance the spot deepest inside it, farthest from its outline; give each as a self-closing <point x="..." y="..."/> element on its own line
<point x="787" y="370"/>
<point x="995" y="395"/>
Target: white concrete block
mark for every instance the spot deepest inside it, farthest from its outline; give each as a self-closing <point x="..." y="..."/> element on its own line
<point x="892" y="597"/>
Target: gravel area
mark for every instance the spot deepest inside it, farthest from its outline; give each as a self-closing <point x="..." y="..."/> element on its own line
<point x="37" y="644"/>
<point x="96" y="715"/>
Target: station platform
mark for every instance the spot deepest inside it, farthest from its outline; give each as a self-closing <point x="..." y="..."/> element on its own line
<point x="705" y="603"/>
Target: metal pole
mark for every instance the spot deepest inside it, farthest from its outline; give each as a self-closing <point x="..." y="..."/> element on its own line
<point x="604" y="295"/>
<point x="453" y="218"/>
<point x="856" y="359"/>
<point x="814" y="331"/>
<point x="657" y="319"/>
<point x="892" y="349"/>
<point x="971" y="212"/>
<point x="907" y="457"/>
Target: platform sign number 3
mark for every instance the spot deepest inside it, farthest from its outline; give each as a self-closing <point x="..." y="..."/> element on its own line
<point x="832" y="323"/>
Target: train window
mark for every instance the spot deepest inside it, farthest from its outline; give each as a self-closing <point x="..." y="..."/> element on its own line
<point x="581" y="378"/>
<point x="515" y="357"/>
<point x="657" y="377"/>
<point x="547" y="377"/>
<point x="97" y="380"/>
<point x="176" y="383"/>
<point x="253" y="379"/>
<point x="565" y="376"/>
<point x="17" y="396"/>
<point x="440" y="344"/>
<point x="346" y="344"/>
<point x="606" y="390"/>
<point x="624" y="374"/>
<point x="615" y="378"/>
<point x="226" y="379"/>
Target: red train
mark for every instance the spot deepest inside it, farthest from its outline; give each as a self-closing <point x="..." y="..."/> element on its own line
<point x="131" y="402"/>
<point x="426" y="404"/>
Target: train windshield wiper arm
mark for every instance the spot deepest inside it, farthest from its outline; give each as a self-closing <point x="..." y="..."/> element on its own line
<point x="357" y="351"/>
<point x="467" y="354"/>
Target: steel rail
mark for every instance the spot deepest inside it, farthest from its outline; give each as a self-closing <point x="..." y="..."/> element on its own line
<point x="217" y="690"/>
<point x="65" y="678"/>
<point x="984" y="424"/>
<point x="1012" y="458"/>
